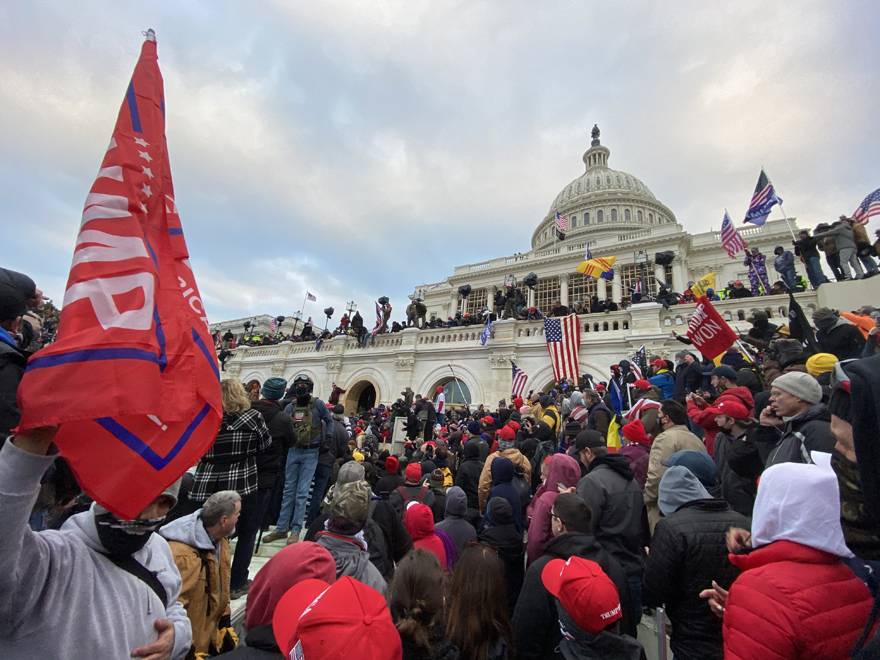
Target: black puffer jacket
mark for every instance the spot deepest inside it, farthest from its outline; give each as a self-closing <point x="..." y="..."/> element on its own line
<point x="843" y="340"/>
<point x="468" y="476"/>
<point x="688" y="551"/>
<point x="616" y="502"/>
<point x="535" y="619"/>
<point x="738" y="490"/>
<point x="269" y="463"/>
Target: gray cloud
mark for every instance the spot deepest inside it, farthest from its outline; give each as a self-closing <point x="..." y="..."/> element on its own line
<point x="358" y="149"/>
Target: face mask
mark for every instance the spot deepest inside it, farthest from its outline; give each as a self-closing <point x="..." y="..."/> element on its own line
<point x="125" y="537"/>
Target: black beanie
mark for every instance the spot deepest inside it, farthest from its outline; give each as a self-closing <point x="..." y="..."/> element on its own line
<point x="15" y="289"/>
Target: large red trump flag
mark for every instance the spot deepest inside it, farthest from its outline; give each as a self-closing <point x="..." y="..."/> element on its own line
<point x="708" y="331"/>
<point x="132" y="380"/>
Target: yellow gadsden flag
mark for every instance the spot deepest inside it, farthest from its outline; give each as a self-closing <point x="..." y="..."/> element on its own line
<point x="596" y="266"/>
<point x="707" y="281"/>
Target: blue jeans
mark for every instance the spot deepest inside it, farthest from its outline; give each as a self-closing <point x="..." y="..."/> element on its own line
<point x="322" y="479"/>
<point x="814" y="272"/>
<point x="298" y="474"/>
<point x="789" y="277"/>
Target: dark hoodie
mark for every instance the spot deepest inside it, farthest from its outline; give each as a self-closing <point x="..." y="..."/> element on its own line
<point x="535" y="626"/>
<point x="500" y="533"/>
<point x="454" y="524"/>
<point x="468" y="476"/>
<point x="502" y="470"/>
<point x="617" y="504"/>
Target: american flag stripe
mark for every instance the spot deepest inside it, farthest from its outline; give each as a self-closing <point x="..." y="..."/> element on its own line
<point x="641" y="406"/>
<point x="519" y="380"/>
<point x="869" y="207"/>
<point x="561" y="222"/>
<point x="563" y="342"/>
<point x="731" y="241"/>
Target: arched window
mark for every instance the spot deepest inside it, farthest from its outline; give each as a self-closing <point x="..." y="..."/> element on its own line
<point x="600" y="216"/>
<point x="608" y="180"/>
<point x="586" y="218"/>
<point x="613" y="215"/>
<point x="456" y="392"/>
<point x="639" y="217"/>
<point x="598" y="183"/>
<point x="627" y="216"/>
<point x="574" y="221"/>
<point x="651" y="218"/>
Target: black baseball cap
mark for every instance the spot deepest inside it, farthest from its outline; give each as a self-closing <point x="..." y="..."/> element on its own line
<point x="589" y="439"/>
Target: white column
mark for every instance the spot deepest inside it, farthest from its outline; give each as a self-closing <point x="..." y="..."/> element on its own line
<point x="490" y="297"/>
<point x="615" y="288"/>
<point x="563" y="289"/>
<point x="531" y="299"/>
<point x="679" y="278"/>
<point x="461" y="304"/>
<point x="602" y="288"/>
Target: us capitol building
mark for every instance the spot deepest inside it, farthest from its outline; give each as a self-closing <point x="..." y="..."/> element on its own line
<point x="611" y="212"/>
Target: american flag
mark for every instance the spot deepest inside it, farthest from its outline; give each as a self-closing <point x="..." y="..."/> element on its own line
<point x="563" y="341"/>
<point x="310" y="297"/>
<point x="731" y="241"/>
<point x="640" y="362"/>
<point x="519" y="380"/>
<point x="639" y="407"/>
<point x="869" y="207"/>
<point x="637" y="286"/>
<point x="561" y="223"/>
<point x="378" y="319"/>
<point x="273" y="326"/>
<point x="763" y="199"/>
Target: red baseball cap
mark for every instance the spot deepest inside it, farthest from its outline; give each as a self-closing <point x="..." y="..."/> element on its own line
<point x="642" y="384"/>
<point x="585" y="591"/>
<point x="488" y="420"/>
<point x="658" y="362"/>
<point x="733" y="409"/>
<point x="347" y="619"/>
<point x="506" y="433"/>
<point x="635" y="432"/>
<point x="413" y="473"/>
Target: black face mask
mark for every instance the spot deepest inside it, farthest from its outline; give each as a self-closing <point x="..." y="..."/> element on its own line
<point x="302" y="394"/>
<point x="124" y="538"/>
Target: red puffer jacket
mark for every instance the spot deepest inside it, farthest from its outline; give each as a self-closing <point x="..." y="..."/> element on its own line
<point x="793" y="601"/>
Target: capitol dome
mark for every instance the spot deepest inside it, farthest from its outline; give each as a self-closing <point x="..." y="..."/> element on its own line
<point x="602" y="199"/>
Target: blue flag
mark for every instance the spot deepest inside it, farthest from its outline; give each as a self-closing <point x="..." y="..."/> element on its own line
<point x="763" y="199"/>
<point x="487" y="330"/>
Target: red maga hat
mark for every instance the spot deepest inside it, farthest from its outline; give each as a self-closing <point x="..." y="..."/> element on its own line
<point x="585" y="591"/>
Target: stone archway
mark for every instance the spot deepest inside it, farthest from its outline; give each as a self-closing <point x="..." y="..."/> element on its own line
<point x="360" y="397"/>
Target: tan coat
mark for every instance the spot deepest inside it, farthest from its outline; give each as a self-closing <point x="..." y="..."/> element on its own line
<point x="665" y="444"/>
<point x="485" y="484"/>
<point x="204" y="592"/>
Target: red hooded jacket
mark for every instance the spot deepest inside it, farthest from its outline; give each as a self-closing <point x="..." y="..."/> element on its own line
<point x="706" y="420"/>
<point x="793" y="601"/>
<point x="419" y="522"/>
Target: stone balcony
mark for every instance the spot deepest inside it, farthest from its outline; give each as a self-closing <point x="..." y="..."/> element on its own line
<point x="421" y="359"/>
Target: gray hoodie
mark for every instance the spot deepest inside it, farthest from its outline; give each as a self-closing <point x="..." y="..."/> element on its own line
<point x="190" y="531"/>
<point x="352" y="559"/>
<point x="678" y="486"/>
<point x="454" y="524"/>
<point x="59" y="596"/>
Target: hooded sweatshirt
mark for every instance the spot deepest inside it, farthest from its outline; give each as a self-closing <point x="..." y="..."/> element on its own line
<point x="808" y="601"/>
<point x="205" y="572"/>
<point x="419" y="522"/>
<point x="500" y="532"/>
<point x="454" y="524"/>
<point x="679" y="486"/>
<point x="502" y="486"/>
<point x="352" y="558"/>
<point x="563" y="471"/>
<point x="60" y="597"/>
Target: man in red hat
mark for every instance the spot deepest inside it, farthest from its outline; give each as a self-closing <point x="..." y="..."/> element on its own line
<point x="506" y="438"/>
<point x="412" y="490"/>
<point x="637" y="449"/>
<point x="344" y="620"/>
<point x="734" y="422"/>
<point x="589" y="608"/>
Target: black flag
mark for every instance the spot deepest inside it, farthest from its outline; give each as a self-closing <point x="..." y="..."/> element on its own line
<point x="799" y="327"/>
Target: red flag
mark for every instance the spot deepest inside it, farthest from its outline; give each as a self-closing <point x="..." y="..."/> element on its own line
<point x="132" y="379"/>
<point x="709" y="332"/>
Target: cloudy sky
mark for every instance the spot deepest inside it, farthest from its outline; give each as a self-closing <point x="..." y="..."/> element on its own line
<point x="357" y="149"/>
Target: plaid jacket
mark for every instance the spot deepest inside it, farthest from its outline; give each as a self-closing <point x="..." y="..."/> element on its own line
<point x="231" y="462"/>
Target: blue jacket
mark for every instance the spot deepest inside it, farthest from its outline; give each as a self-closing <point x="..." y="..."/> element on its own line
<point x="665" y="382"/>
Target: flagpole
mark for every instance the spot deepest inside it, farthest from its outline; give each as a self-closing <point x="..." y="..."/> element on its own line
<point x="463" y="398"/>
<point x="787" y="224"/>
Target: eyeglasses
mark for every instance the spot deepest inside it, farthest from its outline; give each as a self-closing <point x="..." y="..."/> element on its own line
<point x="553" y="515"/>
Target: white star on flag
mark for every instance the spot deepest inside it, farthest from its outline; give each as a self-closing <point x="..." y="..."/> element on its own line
<point x="143" y="207"/>
<point x="145" y="156"/>
<point x="146" y="190"/>
<point x="148" y="171"/>
<point x="141" y="142"/>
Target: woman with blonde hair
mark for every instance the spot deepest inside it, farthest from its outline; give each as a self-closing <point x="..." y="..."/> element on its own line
<point x="231" y="464"/>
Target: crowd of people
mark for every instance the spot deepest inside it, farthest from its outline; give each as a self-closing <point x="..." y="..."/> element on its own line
<point x="739" y="494"/>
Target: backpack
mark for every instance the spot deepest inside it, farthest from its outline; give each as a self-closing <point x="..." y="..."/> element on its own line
<point x="522" y="487"/>
<point x="448" y="481"/>
<point x="301" y="418"/>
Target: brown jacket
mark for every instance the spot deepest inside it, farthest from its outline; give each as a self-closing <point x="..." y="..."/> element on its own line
<point x="485" y="484"/>
<point x="665" y="444"/>
<point x="204" y="591"/>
